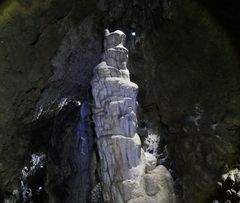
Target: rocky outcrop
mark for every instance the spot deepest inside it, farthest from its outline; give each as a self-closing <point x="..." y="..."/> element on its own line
<point x="228" y="188"/>
<point x="127" y="173"/>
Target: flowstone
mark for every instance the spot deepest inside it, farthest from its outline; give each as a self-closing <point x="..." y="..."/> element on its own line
<point x="128" y="174"/>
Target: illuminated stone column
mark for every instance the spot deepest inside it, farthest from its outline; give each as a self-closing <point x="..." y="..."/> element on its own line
<point x="123" y="163"/>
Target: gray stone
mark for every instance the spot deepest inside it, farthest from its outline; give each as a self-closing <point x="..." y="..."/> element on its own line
<point x="237" y="179"/>
<point x="231" y="179"/>
<point x="123" y="162"/>
<point x="238" y="194"/>
<point x="151" y="161"/>
<point x="219" y="185"/>
<point x="151" y="184"/>
<point x="228" y="192"/>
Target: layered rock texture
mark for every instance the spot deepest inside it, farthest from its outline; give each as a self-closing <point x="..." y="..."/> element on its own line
<point x="184" y="57"/>
<point x="127" y="173"/>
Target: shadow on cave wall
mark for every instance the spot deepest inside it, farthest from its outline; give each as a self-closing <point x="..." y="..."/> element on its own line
<point x="182" y="59"/>
<point x="227" y="15"/>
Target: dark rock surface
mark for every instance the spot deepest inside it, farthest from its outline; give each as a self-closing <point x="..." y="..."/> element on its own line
<point x="69" y="155"/>
<point x="228" y="189"/>
<point x="184" y="58"/>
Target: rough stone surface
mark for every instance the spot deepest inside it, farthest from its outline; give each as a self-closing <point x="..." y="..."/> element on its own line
<point x="183" y="53"/>
<point x="123" y="163"/>
<point x="151" y="161"/>
<point x="228" y="188"/>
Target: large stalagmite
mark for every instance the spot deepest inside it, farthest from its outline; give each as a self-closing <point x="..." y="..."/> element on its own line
<point x="128" y="174"/>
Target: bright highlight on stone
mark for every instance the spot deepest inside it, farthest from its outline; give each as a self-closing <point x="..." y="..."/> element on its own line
<point x="128" y="174"/>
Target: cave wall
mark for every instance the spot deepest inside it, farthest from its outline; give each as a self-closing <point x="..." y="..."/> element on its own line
<point x="182" y="58"/>
<point x="28" y="42"/>
<point x="190" y="90"/>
